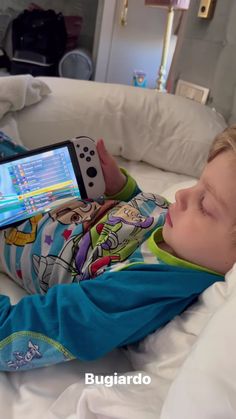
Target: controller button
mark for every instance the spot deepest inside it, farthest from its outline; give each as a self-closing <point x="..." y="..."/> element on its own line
<point x="88" y="158"/>
<point x="92" y="152"/>
<point x="81" y="155"/>
<point x="91" y="172"/>
<point x="77" y="145"/>
<point x="85" y="149"/>
<point x="91" y="184"/>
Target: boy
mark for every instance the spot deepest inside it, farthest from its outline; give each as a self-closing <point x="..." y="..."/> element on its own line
<point x="148" y="261"/>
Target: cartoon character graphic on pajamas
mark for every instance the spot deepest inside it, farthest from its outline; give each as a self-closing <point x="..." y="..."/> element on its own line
<point x="62" y="266"/>
<point x="76" y="212"/>
<point x="115" y="238"/>
<point x="21" y="238"/>
<point x="81" y="238"/>
<point x="73" y="212"/>
<point x="24" y="358"/>
<point x="86" y="255"/>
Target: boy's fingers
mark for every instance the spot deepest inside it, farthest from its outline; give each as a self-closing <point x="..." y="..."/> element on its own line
<point x="100" y="143"/>
<point x="100" y="147"/>
<point x="114" y="179"/>
<point x="102" y="151"/>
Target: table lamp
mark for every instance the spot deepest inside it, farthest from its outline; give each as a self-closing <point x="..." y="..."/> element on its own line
<point x="171" y="5"/>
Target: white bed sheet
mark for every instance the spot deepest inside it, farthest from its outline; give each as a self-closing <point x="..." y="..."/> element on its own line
<point x="59" y="391"/>
<point x="151" y="179"/>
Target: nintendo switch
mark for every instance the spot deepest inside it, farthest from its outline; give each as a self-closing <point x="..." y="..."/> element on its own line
<point x="38" y="180"/>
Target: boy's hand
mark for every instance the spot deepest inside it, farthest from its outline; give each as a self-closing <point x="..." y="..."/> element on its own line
<point x="114" y="178"/>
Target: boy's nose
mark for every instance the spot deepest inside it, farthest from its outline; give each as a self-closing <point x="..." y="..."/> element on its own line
<point x="181" y="198"/>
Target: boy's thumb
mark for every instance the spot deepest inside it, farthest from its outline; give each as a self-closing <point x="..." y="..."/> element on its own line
<point x="102" y="151"/>
<point x="102" y="144"/>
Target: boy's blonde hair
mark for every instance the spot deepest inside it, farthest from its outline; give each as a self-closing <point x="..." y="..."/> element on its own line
<point x="225" y="141"/>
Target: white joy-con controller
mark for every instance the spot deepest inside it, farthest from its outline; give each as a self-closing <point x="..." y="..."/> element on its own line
<point x="90" y="166"/>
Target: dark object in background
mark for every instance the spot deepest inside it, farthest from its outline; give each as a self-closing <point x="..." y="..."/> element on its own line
<point x="27" y="62"/>
<point x="38" y="41"/>
<point x="4" y="60"/>
<point x="73" y="29"/>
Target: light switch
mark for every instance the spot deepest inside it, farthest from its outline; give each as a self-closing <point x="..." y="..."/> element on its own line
<point x="192" y="91"/>
<point x="206" y="9"/>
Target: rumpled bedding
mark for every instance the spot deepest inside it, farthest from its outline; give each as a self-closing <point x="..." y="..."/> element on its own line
<point x="20" y="91"/>
<point x="16" y="93"/>
<point x="60" y="392"/>
<point x="160" y="356"/>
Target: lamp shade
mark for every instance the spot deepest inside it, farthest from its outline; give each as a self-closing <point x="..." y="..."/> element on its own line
<point x="176" y="4"/>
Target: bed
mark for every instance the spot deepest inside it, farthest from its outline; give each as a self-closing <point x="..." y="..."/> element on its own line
<point x="163" y="141"/>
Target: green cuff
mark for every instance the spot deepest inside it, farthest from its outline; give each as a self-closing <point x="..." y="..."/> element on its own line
<point x="170" y="259"/>
<point x="127" y="191"/>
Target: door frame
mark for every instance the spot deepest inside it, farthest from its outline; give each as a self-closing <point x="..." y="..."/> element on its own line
<point x="103" y="38"/>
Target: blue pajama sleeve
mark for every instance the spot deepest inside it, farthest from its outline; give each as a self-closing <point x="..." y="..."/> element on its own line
<point x="86" y="320"/>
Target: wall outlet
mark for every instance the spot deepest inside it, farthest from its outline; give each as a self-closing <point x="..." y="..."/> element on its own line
<point x="192" y="91"/>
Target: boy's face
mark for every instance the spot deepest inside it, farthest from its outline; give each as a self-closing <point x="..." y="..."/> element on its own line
<point x="201" y="220"/>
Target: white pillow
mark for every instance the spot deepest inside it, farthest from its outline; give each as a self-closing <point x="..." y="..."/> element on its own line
<point x="169" y="193"/>
<point x="167" y="131"/>
<point x="206" y="384"/>
<point x="16" y="92"/>
<point x="185" y="132"/>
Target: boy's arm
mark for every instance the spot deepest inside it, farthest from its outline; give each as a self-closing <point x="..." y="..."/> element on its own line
<point x="89" y="319"/>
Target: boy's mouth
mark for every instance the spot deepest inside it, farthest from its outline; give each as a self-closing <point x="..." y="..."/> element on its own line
<point x="168" y="219"/>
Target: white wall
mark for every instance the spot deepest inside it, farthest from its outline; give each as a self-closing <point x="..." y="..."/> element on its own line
<point x="137" y="45"/>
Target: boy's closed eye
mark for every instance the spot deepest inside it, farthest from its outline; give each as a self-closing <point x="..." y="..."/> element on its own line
<point x="209" y="206"/>
<point x="203" y="208"/>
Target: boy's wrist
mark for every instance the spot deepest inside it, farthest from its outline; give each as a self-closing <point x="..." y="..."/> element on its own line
<point x="127" y="189"/>
<point x="122" y="181"/>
